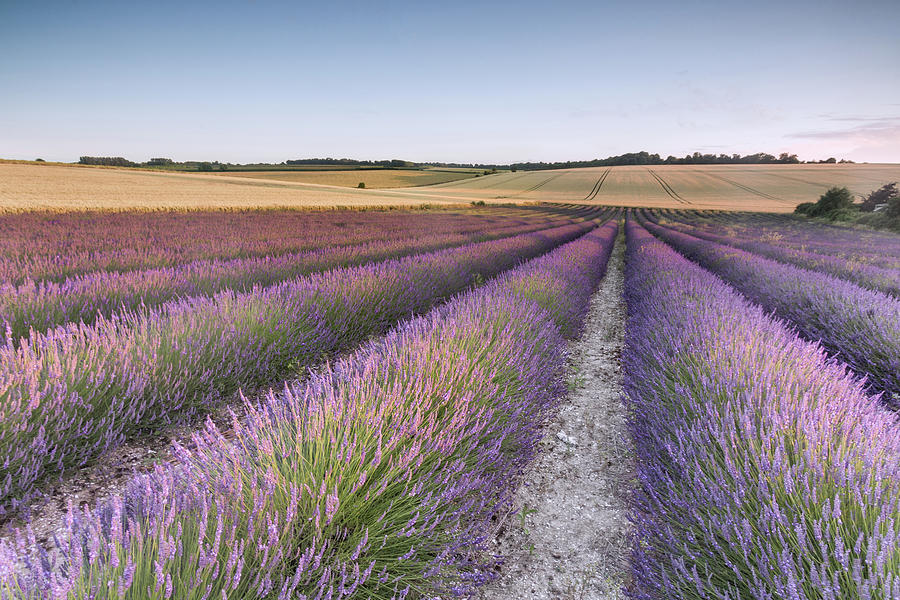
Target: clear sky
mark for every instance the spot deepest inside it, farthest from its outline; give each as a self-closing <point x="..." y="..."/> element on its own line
<point x="266" y="81"/>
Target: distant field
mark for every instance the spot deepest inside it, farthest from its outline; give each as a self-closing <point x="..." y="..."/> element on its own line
<point x="766" y="188"/>
<point x="373" y="178"/>
<point x="53" y="187"/>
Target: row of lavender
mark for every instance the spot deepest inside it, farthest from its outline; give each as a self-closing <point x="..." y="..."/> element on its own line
<point x="761" y="240"/>
<point x="376" y="478"/>
<point x="764" y="469"/>
<point x="53" y="246"/>
<point x="853" y="244"/>
<point x="39" y="306"/>
<point x="78" y="391"/>
<point x="861" y="327"/>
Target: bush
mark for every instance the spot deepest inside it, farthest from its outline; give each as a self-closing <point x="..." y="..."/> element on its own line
<point x="361" y="185"/>
<point x="836" y="204"/>
<point x="842" y="214"/>
<point x="804" y="208"/>
<point x="835" y="199"/>
<point x="893" y="208"/>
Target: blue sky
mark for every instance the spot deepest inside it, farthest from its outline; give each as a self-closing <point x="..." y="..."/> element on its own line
<point x="481" y="81"/>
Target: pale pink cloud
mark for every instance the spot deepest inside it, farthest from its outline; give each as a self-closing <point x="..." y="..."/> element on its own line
<point x="872" y="139"/>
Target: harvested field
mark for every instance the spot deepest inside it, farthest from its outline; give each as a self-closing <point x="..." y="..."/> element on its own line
<point x="764" y="188"/>
<point x="373" y="178"/>
<point x="52" y="187"/>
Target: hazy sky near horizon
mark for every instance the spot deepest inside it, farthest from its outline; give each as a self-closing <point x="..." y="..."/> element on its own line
<point x="261" y="81"/>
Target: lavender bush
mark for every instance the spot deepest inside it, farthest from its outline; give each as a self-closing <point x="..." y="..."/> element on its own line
<point x="855" y="245"/>
<point x="39" y="306"/>
<point x="79" y="390"/>
<point x="764" y="469"/>
<point x="49" y="246"/>
<point x="861" y="327"/>
<point x="762" y="241"/>
<point x="375" y="478"/>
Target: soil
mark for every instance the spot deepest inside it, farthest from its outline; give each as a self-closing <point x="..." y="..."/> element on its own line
<point x="569" y="537"/>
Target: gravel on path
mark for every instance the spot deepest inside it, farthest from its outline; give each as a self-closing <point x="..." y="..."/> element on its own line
<point x="570" y="535"/>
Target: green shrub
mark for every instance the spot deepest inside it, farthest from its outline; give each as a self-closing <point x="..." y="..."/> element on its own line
<point x="842" y="214"/>
<point x="836" y="205"/>
<point x="893" y="208"/>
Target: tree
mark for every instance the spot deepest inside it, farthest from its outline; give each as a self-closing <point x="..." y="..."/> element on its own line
<point x="834" y="204"/>
<point x="879" y="196"/>
<point x="204" y="166"/>
<point x="784" y="157"/>
<point x="108" y="161"/>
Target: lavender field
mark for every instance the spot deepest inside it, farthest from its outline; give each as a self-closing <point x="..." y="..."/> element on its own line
<point x="352" y="399"/>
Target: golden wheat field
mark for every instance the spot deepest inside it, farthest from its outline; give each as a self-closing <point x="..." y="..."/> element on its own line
<point x="768" y="188"/>
<point x="372" y="178"/>
<point x="52" y="187"/>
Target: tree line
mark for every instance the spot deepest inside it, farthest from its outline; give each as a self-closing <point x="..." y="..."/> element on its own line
<point x="350" y="162"/>
<point x="697" y="158"/>
<point x="630" y="158"/>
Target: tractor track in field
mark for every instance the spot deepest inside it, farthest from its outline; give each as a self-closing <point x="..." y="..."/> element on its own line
<point x="667" y="188"/>
<point x="596" y="189"/>
<point x="818" y="184"/>
<point x="536" y="186"/>
<point x="746" y="188"/>
<point x="569" y="537"/>
<point x="494" y="184"/>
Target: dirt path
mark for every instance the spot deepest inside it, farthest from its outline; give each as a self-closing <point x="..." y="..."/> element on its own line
<point x="569" y="539"/>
